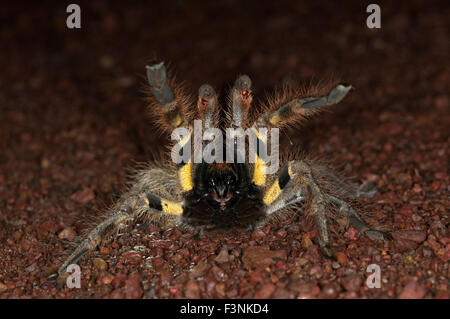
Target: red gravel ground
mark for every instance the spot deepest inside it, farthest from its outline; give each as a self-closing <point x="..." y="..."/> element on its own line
<point x="72" y="122"/>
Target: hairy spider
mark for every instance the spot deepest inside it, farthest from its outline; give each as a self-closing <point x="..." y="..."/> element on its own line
<point x="223" y="195"/>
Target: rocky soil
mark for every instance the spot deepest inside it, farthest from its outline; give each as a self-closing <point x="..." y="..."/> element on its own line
<point x="72" y="123"/>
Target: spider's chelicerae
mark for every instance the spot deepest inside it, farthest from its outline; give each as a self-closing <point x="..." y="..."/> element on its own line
<point x="236" y="194"/>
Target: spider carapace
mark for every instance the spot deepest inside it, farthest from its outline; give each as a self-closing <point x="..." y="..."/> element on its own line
<point x="203" y="194"/>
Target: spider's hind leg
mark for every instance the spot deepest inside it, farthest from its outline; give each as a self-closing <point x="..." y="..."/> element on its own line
<point x="297" y="182"/>
<point x="143" y="205"/>
<point x="356" y="220"/>
<point x="113" y="223"/>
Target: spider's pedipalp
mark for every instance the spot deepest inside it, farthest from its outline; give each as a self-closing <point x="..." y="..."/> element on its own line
<point x="299" y="107"/>
<point x="241" y="96"/>
<point x="207" y="105"/>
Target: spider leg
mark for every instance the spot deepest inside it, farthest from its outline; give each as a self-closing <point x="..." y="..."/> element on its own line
<point x="356" y="220"/>
<point x="282" y="193"/>
<point x="302" y="106"/>
<point x="207" y="104"/>
<point x="96" y="235"/>
<point x="170" y="111"/>
<point x="185" y="166"/>
<point x="138" y="206"/>
<point x="294" y="183"/>
<point x="344" y="188"/>
<point x="259" y="175"/>
<point x="306" y="178"/>
<point x="366" y="189"/>
<point x="241" y="98"/>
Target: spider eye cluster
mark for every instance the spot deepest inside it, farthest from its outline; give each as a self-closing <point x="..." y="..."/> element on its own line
<point x="216" y="181"/>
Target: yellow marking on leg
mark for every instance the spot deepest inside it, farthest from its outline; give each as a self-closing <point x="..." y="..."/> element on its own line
<point x="263" y="138"/>
<point x="275" y="119"/>
<point x="259" y="176"/>
<point x="186" y="177"/>
<point x="171" y="207"/>
<point x="272" y="193"/>
<point x="176" y="121"/>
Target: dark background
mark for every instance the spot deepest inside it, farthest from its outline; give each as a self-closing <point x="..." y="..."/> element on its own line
<point x="73" y="119"/>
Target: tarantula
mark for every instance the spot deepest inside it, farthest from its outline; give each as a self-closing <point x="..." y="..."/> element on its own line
<point x="223" y="195"/>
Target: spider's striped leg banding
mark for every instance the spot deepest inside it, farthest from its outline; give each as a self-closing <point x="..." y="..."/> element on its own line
<point x="275" y="197"/>
<point x="144" y="207"/>
<point x="185" y="167"/>
<point x="207" y="104"/>
<point x="294" y="181"/>
<point x="303" y="106"/>
<point x="259" y="175"/>
<point x="241" y="96"/>
<point x="163" y="205"/>
<point x="170" y="110"/>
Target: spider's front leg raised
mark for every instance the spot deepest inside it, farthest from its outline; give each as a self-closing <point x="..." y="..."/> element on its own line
<point x="169" y="107"/>
<point x="301" y="107"/>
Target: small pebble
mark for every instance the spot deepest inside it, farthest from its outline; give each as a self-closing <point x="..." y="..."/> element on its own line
<point x="412" y="290"/>
<point x="67" y="233"/>
<point x="133" y="288"/>
<point x="351" y="282"/>
<point x="341" y="258"/>
<point x="84" y="196"/>
<point x="192" y="290"/>
<point x="99" y="264"/>
<point x="265" y="291"/>
<point x="335" y="265"/>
